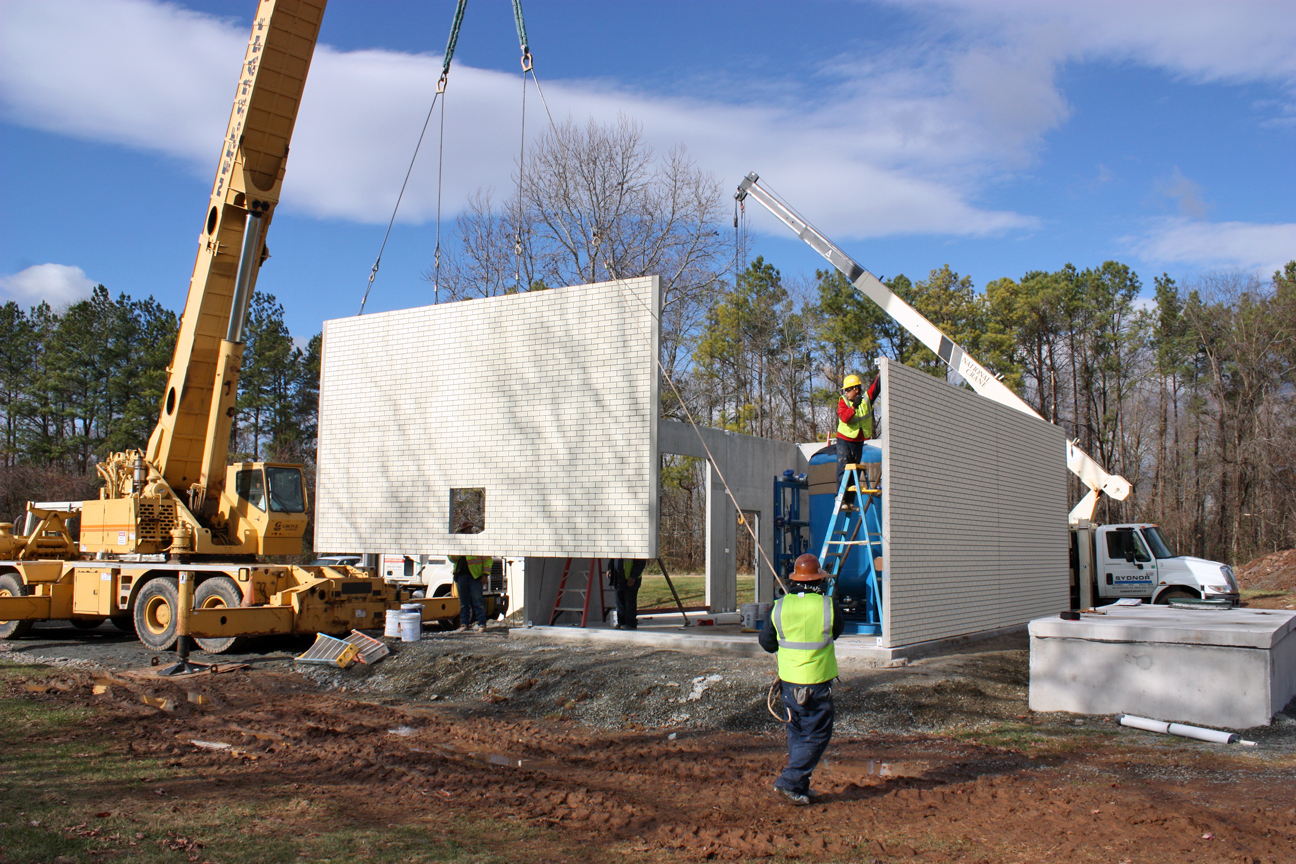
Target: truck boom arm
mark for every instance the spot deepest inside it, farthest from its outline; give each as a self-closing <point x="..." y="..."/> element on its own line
<point x="1093" y="475"/>
<point x="190" y="444"/>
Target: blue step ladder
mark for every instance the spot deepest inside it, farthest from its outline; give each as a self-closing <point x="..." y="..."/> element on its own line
<point x="862" y="601"/>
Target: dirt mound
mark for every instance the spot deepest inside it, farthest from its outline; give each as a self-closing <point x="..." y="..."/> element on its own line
<point x="1273" y="572"/>
<point x="645" y="794"/>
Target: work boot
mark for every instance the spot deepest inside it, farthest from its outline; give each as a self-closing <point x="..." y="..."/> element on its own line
<point x="796" y="798"/>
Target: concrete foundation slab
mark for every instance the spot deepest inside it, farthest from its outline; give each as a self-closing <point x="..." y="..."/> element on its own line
<point x="665" y="631"/>
<point x="1231" y="668"/>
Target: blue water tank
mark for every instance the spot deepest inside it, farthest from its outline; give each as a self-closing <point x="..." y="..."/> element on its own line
<point x="852" y="586"/>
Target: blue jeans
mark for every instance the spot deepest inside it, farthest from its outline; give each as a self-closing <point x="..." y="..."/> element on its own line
<point x="808" y="734"/>
<point x="472" y="603"/>
<point x="848" y="453"/>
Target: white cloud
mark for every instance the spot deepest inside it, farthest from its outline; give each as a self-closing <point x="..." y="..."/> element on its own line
<point x="891" y="159"/>
<point x="1205" y="40"/>
<point x="900" y="140"/>
<point x="1261" y="249"/>
<point x="56" y="284"/>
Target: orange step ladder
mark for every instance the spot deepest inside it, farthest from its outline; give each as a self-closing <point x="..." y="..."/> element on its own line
<point x="582" y="595"/>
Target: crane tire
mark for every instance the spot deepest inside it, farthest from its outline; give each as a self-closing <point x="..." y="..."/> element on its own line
<point x="12" y="586"/>
<point x="155" y="613"/>
<point x="213" y="593"/>
<point x="86" y="623"/>
<point x="124" y="623"/>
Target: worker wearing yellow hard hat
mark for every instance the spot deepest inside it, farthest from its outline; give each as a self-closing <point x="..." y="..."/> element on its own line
<point x="854" y="426"/>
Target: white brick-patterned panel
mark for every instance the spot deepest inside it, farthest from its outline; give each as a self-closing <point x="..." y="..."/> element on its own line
<point x="547" y="400"/>
<point x="975" y="522"/>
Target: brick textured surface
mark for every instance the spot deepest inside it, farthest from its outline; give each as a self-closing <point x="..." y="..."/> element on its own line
<point x="975" y="523"/>
<point x="547" y="400"/>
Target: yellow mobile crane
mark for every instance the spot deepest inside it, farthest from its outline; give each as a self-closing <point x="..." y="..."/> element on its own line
<point x="174" y="524"/>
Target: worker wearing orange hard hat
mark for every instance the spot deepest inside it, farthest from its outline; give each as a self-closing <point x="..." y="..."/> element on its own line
<point x="801" y="628"/>
<point x="854" y="426"/>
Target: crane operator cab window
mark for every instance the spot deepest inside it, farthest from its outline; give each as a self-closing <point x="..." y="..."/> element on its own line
<point x="280" y="488"/>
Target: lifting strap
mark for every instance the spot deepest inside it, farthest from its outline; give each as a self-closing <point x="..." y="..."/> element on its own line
<point x="441" y="83"/>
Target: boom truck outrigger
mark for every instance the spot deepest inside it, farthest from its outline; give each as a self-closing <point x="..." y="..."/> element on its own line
<point x="1108" y="562"/>
<point x="175" y="517"/>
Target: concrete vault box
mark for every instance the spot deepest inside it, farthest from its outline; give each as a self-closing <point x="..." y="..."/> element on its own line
<point x="547" y="400"/>
<point x="1234" y="668"/>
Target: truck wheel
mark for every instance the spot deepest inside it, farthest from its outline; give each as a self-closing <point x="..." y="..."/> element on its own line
<point x="124" y="623"/>
<point x="86" y="623"/>
<point x="155" y="613"/>
<point x="1175" y="594"/>
<point x="215" y="593"/>
<point x="12" y="586"/>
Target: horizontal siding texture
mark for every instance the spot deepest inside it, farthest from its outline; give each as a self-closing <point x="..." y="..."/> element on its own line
<point x="975" y="516"/>
<point x="547" y="400"/>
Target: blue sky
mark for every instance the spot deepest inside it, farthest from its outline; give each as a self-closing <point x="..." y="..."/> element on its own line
<point x="996" y="136"/>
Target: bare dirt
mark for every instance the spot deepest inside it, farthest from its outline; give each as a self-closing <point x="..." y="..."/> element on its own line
<point x="607" y="754"/>
<point x="1273" y="572"/>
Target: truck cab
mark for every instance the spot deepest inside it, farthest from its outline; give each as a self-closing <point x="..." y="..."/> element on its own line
<point x="1136" y="560"/>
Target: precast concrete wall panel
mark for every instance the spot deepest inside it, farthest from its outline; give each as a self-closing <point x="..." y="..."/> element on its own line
<point x="975" y="523"/>
<point x="547" y="400"/>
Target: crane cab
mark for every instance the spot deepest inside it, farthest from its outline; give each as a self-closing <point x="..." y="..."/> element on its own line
<point x="265" y="505"/>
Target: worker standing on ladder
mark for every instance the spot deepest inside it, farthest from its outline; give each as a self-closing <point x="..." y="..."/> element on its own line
<point x="854" y="426"/>
<point x="801" y="628"/>
<point x="470" y="571"/>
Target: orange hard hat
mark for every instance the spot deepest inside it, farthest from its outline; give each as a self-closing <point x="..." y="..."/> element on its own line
<point x="807" y="569"/>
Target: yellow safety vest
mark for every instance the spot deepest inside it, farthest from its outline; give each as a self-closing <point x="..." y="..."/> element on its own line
<point x="804" y="624"/>
<point x="477" y="564"/>
<point x="861" y="422"/>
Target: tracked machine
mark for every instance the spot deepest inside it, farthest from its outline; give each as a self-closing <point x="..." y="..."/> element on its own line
<point x="174" y="521"/>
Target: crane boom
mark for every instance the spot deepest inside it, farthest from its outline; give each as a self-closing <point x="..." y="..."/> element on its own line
<point x="190" y="443"/>
<point x="1092" y="474"/>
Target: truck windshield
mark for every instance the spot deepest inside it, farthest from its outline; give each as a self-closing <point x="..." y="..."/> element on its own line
<point x="1160" y="548"/>
<point x="285" y="487"/>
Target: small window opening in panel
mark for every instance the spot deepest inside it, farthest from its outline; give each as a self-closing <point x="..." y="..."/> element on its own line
<point x="467" y="508"/>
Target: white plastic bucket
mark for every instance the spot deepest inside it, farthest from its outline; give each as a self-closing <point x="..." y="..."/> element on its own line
<point x="411" y="626"/>
<point x="748" y="613"/>
<point x="763" y="613"/>
<point x="411" y="607"/>
<point x="391" y="626"/>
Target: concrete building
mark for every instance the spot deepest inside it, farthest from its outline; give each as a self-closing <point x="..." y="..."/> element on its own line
<point x="547" y="403"/>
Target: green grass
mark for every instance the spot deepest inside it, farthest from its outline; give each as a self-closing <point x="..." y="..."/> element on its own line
<point x="67" y="791"/>
<point x="654" y="593"/>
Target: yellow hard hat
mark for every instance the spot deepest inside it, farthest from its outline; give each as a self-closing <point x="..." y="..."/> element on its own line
<point x="852" y="381"/>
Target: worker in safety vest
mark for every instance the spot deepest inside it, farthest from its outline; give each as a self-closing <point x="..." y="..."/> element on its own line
<point x="627" y="575"/>
<point x="470" y="572"/>
<point x="801" y="628"/>
<point x="854" y="426"/>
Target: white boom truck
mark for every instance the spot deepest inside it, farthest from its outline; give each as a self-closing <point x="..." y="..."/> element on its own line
<point x="1108" y="562"/>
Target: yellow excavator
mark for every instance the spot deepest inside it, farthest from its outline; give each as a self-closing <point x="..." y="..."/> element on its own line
<point x="174" y="523"/>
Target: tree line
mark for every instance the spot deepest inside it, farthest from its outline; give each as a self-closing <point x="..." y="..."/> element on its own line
<point x="1189" y="396"/>
<point x="79" y="383"/>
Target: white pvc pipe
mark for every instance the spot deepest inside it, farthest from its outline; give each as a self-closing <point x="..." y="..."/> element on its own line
<point x="1212" y="735"/>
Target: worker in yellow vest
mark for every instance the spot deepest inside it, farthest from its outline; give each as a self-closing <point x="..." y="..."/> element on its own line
<point x="470" y="572"/>
<point x="801" y="628"/>
<point x="627" y="576"/>
<point x="854" y="426"/>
